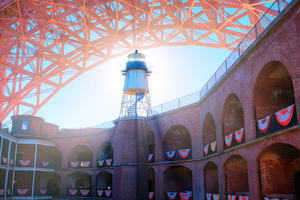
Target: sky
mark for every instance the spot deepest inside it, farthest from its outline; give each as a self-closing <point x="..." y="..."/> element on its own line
<point x="95" y="97"/>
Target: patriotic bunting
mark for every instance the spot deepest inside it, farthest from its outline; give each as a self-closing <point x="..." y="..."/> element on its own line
<point x="100" y="193"/>
<point x="232" y="197"/>
<point x="4" y="160"/>
<point x="1" y="192"/>
<point x="74" y="164"/>
<point x="45" y="163"/>
<point x="185" y="195"/>
<point x="208" y="196"/>
<point x="213" y="146"/>
<point x="73" y="192"/>
<point x="170" y="155"/>
<point x="183" y="153"/>
<point x="151" y="195"/>
<point x="43" y="191"/>
<point x="85" y="192"/>
<point x="206" y="148"/>
<point x="100" y="163"/>
<point x="238" y="135"/>
<point x="228" y="140"/>
<point x="8" y="192"/>
<point x="24" y="163"/>
<point x="150" y="157"/>
<point x="244" y="198"/>
<point x="107" y="193"/>
<point x="171" y="195"/>
<point x="11" y="162"/>
<point x="22" y="191"/>
<point x="216" y="197"/>
<point x="108" y="162"/>
<point x="264" y="124"/>
<point x="85" y="164"/>
<point x="284" y="116"/>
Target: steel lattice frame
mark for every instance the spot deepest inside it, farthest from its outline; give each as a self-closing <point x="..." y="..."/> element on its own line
<point x="45" y="44"/>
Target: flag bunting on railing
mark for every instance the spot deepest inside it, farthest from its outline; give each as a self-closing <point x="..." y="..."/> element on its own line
<point x="171" y="195"/>
<point x="24" y="163"/>
<point x="150" y="157"/>
<point x="45" y="163"/>
<point x="107" y="193"/>
<point x="73" y="192"/>
<point x="213" y="146"/>
<point x="238" y="135"/>
<point x="264" y="124"/>
<point x="4" y="160"/>
<point x="170" y="155"/>
<point x="100" y="163"/>
<point x="216" y="197"/>
<point x="208" y="196"/>
<point x="151" y="195"/>
<point x="206" y="148"/>
<point x="184" y="153"/>
<point x="22" y="191"/>
<point x="74" y="164"/>
<point x="284" y="116"/>
<point x="100" y="193"/>
<point x="8" y="192"/>
<point x="185" y="195"/>
<point x="11" y="162"/>
<point x="43" y="191"/>
<point x="244" y="198"/>
<point x="85" y="192"/>
<point x="108" y="162"/>
<point x="1" y="192"/>
<point x="85" y="164"/>
<point x="232" y="197"/>
<point x="228" y="140"/>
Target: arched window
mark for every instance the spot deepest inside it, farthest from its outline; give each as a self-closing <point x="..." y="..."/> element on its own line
<point x="279" y="166"/>
<point x="104" y="184"/>
<point x="79" y="184"/>
<point x="211" y="178"/>
<point x="150" y="147"/>
<point x="209" y="135"/>
<point x="105" y="155"/>
<point x="80" y="156"/>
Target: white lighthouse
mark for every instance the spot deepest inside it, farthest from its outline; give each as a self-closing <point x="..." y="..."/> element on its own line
<point x="136" y="96"/>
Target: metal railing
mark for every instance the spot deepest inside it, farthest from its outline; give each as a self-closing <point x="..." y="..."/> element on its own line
<point x="266" y="19"/>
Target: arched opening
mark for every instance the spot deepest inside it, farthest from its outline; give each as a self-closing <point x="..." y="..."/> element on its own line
<point x="233" y="122"/>
<point x="105" y="155"/>
<point x="80" y="157"/>
<point x="211" y="178"/>
<point x="178" y="180"/>
<point x="176" y="139"/>
<point x="48" y="157"/>
<point x="79" y="184"/>
<point x="279" y="166"/>
<point x="236" y="176"/>
<point x="151" y="183"/>
<point x="150" y="146"/>
<point x="104" y="184"/>
<point x="47" y="184"/>
<point x="274" y="92"/>
<point x="209" y="135"/>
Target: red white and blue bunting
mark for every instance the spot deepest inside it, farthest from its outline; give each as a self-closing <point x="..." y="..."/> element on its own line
<point x="85" y="192"/>
<point x="238" y="135"/>
<point x="170" y="155"/>
<point x="8" y="192"/>
<point x="184" y="153"/>
<point x="1" y="192"/>
<point x="208" y="196"/>
<point x="213" y="146"/>
<point x="43" y="191"/>
<point x="11" y="162"/>
<point x="150" y="157"/>
<point x="73" y="192"/>
<point x="108" y="162"/>
<point x="107" y="193"/>
<point x="232" y="197"/>
<point x="264" y="124"/>
<point x="228" y="139"/>
<point x="216" y="197"/>
<point x="4" y="160"/>
<point x="185" y="195"/>
<point x="74" y="164"/>
<point x="22" y="191"/>
<point x="85" y="164"/>
<point x="171" y="195"/>
<point x="284" y="116"/>
<point x="151" y="195"/>
<point x="206" y="148"/>
<point x="100" y="193"/>
<point x="267" y="198"/>
<point x="24" y="163"/>
<point x="244" y="198"/>
<point x="101" y="163"/>
<point x="45" y="164"/>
